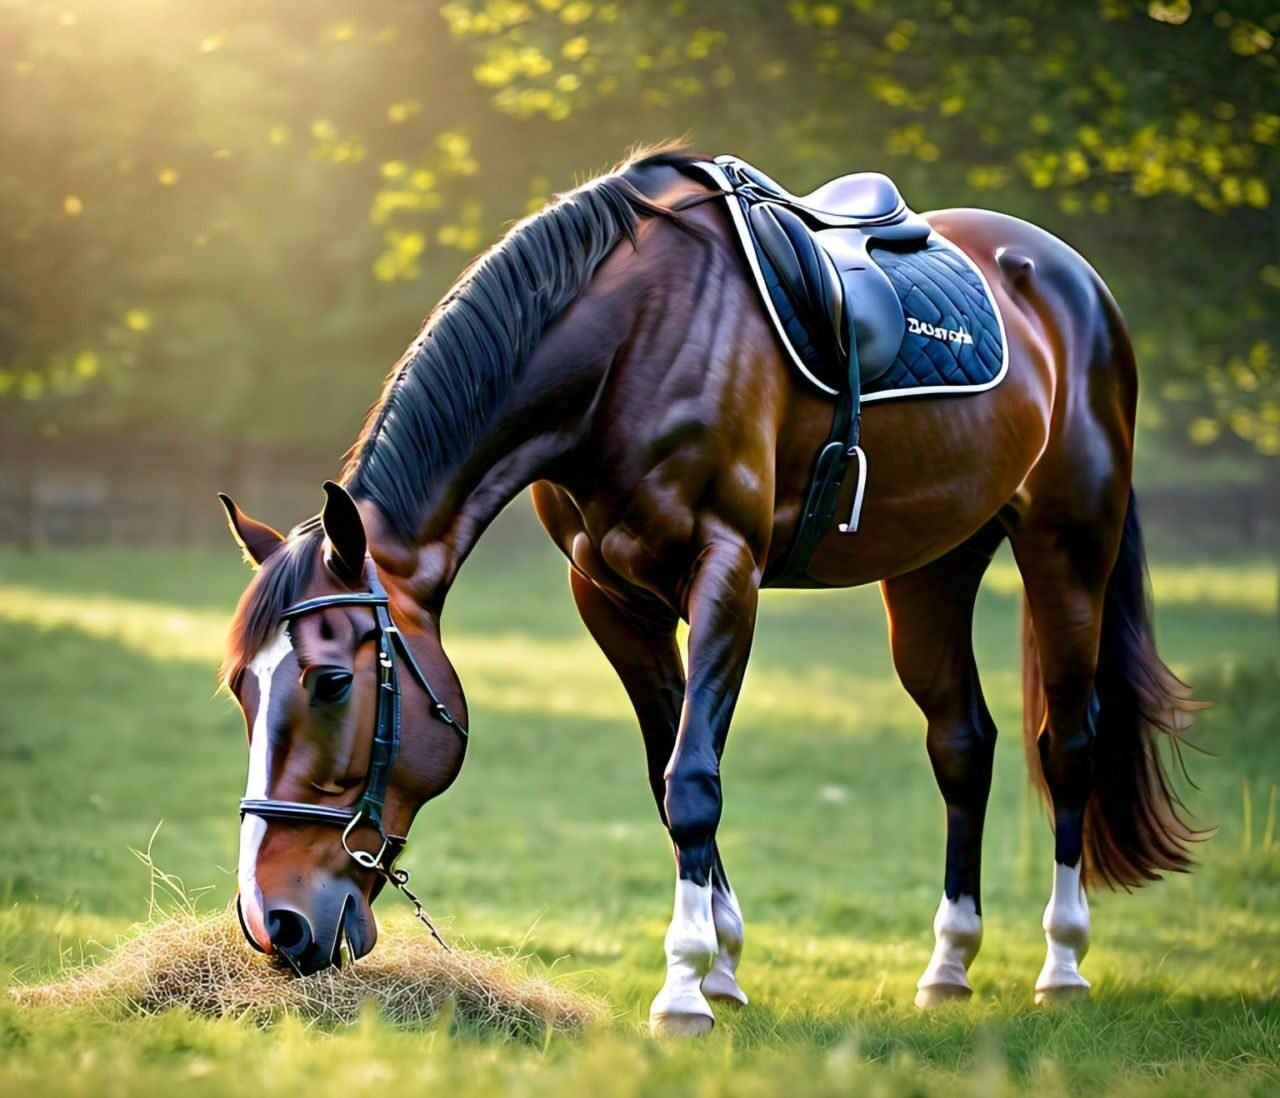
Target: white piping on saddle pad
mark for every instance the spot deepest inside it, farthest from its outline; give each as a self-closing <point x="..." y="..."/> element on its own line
<point x="721" y="180"/>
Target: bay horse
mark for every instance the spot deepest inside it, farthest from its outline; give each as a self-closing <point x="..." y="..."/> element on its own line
<point x="611" y="353"/>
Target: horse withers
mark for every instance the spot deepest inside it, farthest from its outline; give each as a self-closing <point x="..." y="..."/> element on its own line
<point x="614" y="353"/>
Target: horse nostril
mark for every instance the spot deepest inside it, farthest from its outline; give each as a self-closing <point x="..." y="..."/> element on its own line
<point x="289" y="932"/>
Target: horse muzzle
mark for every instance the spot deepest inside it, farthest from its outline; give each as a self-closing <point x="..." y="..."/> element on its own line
<point x="335" y="931"/>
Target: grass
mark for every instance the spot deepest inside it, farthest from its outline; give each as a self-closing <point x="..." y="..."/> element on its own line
<point x="832" y="835"/>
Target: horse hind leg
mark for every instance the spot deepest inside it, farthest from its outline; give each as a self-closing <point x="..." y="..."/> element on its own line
<point x="1065" y="571"/>
<point x="931" y="624"/>
<point x="1099" y="699"/>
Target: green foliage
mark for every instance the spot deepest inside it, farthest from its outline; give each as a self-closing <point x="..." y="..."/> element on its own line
<point x="228" y="216"/>
<point x="832" y="833"/>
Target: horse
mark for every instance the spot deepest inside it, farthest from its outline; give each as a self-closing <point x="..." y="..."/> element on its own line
<point x="611" y="353"/>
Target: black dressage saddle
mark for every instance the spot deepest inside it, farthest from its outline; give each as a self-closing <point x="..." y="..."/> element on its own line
<point x="816" y="255"/>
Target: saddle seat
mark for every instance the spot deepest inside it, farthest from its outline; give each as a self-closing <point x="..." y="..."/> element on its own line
<point x="817" y="248"/>
<point x="860" y="198"/>
<point x="865" y="196"/>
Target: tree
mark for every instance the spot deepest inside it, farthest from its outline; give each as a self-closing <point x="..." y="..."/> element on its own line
<point x="228" y="216"/>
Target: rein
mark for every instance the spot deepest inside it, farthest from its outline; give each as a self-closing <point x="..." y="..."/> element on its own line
<point x="382" y="755"/>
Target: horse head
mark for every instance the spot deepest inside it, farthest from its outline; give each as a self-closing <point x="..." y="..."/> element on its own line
<point x="355" y="718"/>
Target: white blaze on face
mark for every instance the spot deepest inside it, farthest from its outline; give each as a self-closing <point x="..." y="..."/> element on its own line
<point x="263" y="668"/>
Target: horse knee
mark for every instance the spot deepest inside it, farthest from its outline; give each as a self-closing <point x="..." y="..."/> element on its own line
<point x="692" y="802"/>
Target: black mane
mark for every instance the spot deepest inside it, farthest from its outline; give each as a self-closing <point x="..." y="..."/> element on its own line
<point x="455" y="376"/>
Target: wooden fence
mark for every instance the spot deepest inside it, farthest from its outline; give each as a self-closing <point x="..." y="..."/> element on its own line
<point x="161" y="491"/>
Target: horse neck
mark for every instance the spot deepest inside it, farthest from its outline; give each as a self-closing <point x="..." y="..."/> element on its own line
<point x="546" y="418"/>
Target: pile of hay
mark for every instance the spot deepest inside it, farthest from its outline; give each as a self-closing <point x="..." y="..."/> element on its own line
<point x="202" y="963"/>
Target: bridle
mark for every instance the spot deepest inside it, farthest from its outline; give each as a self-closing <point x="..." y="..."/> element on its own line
<point x="386" y="742"/>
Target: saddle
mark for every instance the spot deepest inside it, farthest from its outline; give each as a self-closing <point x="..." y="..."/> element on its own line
<point x="837" y="309"/>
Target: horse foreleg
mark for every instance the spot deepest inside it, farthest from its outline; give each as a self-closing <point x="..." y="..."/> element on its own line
<point x="640" y="643"/>
<point x="721" y="605"/>
<point x="721" y="983"/>
<point x="931" y="632"/>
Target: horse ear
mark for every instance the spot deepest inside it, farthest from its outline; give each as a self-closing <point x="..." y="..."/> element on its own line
<point x="345" y="531"/>
<point x="256" y="539"/>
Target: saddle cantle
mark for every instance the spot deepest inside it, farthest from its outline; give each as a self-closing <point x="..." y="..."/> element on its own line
<point x="868" y="302"/>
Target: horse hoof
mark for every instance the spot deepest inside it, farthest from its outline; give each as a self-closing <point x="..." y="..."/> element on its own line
<point x="935" y="995"/>
<point x="1068" y="993"/>
<point x="680" y="1025"/>
<point x="723" y="989"/>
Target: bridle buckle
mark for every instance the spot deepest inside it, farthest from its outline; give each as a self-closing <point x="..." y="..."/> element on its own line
<point x="363" y="857"/>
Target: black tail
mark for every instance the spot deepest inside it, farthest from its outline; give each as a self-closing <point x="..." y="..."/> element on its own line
<point x="1136" y="826"/>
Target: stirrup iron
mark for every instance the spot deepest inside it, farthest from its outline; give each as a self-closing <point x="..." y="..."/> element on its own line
<point x="851" y="527"/>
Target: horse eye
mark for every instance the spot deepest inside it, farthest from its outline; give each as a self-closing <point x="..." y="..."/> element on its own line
<point x="329" y="685"/>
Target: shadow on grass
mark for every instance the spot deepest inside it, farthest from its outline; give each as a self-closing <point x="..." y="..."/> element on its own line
<point x="1152" y="1028"/>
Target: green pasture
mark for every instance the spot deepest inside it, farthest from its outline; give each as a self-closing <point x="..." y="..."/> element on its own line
<point x="549" y="842"/>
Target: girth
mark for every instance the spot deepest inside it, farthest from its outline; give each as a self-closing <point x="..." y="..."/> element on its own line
<point x="386" y="731"/>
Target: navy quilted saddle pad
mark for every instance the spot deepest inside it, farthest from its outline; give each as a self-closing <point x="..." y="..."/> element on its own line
<point x="954" y="340"/>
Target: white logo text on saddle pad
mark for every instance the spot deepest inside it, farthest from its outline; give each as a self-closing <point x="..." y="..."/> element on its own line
<point x="936" y="331"/>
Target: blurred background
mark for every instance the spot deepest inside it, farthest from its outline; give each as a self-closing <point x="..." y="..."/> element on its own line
<point x="222" y="221"/>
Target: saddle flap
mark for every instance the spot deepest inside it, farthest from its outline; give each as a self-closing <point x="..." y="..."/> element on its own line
<point x="805" y="271"/>
<point x="875" y="315"/>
